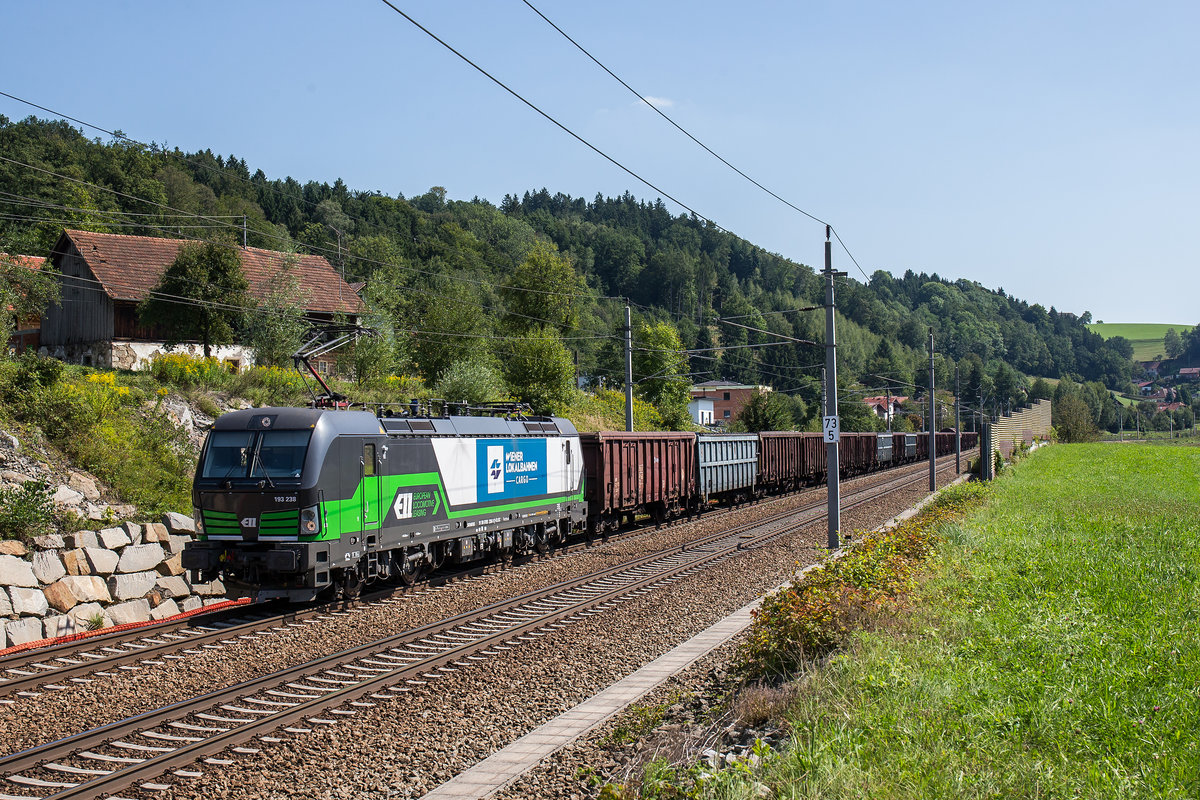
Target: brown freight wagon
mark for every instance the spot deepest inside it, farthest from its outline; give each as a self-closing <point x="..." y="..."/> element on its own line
<point x="787" y="461"/>
<point x="856" y="453"/>
<point x="629" y="473"/>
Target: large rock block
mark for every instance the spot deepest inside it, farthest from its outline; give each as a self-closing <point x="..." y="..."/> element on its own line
<point x="60" y="597"/>
<point x="88" y="614"/>
<point x="101" y="561"/>
<point x="47" y="566"/>
<point x="84" y="485"/>
<point x="167" y="608"/>
<point x="156" y="532"/>
<point x="5" y="603"/>
<point x="11" y="547"/>
<point x="28" y="602"/>
<point x="81" y="539"/>
<point x="173" y="585"/>
<point x="211" y="589"/>
<point x="177" y="543"/>
<point x="113" y="538"/>
<point x="133" y="531"/>
<point x="172" y="565"/>
<point x="49" y="541"/>
<point x="179" y="523"/>
<point x="191" y="603"/>
<point x="16" y="572"/>
<point x="66" y="496"/>
<point x="131" y="586"/>
<point x="140" y="557"/>
<point x="3" y="633"/>
<point x="86" y="588"/>
<point x="60" y="625"/>
<point x="132" y="611"/>
<point x="76" y="562"/>
<point x="24" y="631"/>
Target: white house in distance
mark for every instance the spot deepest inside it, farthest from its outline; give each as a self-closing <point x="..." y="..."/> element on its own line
<point x="701" y="410"/>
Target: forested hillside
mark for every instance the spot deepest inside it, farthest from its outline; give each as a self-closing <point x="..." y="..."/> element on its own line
<point x="507" y="296"/>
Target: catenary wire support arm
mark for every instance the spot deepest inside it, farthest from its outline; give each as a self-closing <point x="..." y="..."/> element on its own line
<point x="324" y="339"/>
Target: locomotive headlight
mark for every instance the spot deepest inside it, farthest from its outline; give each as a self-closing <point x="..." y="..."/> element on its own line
<point x="310" y="521"/>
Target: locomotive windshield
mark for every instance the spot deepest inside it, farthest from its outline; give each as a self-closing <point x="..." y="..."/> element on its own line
<point x="255" y="454"/>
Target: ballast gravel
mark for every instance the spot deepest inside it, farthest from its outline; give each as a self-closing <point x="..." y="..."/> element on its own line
<point x="407" y="746"/>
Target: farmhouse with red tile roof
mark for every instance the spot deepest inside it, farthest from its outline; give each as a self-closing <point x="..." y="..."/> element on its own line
<point x="104" y="276"/>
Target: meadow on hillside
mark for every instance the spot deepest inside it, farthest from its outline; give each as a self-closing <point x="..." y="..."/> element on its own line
<point x="1146" y="337"/>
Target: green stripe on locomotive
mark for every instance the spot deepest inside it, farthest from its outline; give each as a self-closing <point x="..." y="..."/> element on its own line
<point x="344" y="517"/>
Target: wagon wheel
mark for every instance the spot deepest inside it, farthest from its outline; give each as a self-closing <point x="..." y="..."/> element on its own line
<point x="351" y="584"/>
<point x="411" y="567"/>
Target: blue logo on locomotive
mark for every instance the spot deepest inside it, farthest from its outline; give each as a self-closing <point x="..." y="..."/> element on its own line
<point x="511" y="467"/>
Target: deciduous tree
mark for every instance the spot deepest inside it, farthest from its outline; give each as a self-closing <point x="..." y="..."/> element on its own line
<point x="201" y="296"/>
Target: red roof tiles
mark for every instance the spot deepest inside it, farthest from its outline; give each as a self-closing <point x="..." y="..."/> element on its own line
<point x="128" y="267"/>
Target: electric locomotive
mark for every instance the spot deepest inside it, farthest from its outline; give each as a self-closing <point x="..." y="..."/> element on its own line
<point x="300" y="503"/>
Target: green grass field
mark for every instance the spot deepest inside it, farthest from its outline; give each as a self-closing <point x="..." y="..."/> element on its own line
<point x="1055" y="653"/>
<point x="1146" y="337"/>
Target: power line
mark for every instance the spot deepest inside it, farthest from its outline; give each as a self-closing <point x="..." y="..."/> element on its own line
<point x="552" y="120"/>
<point x="316" y="250"/>
<point x="686" y="133"/>
<point x="236" y="248"/>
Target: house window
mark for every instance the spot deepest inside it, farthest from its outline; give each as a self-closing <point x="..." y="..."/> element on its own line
<point x="727" y="397"/>
<point x="726" y="412"/>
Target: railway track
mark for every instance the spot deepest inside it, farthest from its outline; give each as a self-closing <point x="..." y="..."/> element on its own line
<point x="54" y="668"/>
<point x="170" y="740"/>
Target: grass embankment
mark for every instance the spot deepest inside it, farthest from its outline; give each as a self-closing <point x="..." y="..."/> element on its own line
<point x="1053" y="652"/>
<point x="1146" y="337"/>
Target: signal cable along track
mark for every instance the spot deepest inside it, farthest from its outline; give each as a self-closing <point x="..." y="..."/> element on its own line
<point x="168" y="740"/>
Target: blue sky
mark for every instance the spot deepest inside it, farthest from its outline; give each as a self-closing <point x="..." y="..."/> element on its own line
<point x="1046" y="148"/>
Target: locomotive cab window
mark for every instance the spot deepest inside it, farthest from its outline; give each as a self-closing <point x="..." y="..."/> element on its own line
<point x="228" y="454"/>
<point x="280" y="454"/>
<point x="273" y="454"/>
<point x="368" y="460"/>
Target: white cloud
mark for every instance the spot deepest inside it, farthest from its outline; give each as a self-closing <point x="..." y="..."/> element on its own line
<point x="659" y="102"/>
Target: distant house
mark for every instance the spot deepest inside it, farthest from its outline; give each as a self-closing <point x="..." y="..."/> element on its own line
<point x="701" y="411"/>
<point x="879" y="405"/>
<point x="1152" y="368"/>
<point x="728" y="399"/>
<point x="105" y="276"/>
<point x="26" y="329"/>
<point x="1169" y="407"/>
<point x="1190" y="374"/>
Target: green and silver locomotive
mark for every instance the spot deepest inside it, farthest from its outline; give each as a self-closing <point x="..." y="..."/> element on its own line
<point x="304" y="502"/>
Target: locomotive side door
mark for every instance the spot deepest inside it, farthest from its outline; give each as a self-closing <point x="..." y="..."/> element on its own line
<point x="370" y="486"/>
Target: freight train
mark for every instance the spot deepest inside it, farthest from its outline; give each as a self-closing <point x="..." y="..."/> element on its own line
<point x="302" y="503"/>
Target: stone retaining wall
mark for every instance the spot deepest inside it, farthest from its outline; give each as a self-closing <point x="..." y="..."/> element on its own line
<point x="67" y="584"/>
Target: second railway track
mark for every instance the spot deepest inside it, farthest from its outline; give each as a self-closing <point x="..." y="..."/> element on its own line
<point x="166" y="740"/>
